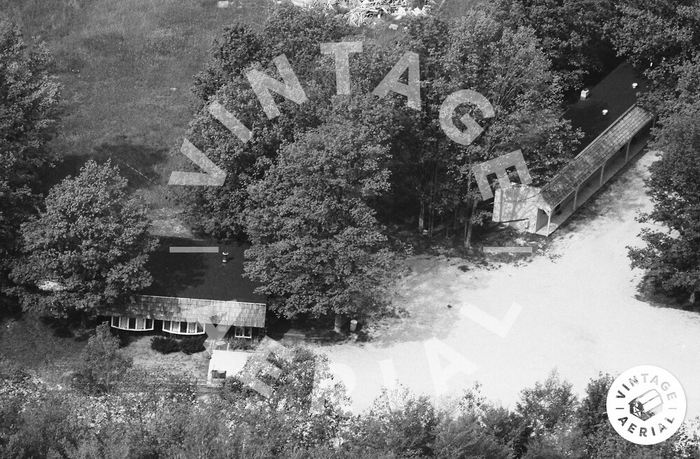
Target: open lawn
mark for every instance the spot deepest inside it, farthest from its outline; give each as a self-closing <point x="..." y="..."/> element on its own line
<point x="39" y="348"/>
<point x="139" y="349"/>
<point x="127" y="67"/>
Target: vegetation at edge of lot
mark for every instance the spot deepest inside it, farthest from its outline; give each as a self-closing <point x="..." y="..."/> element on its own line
<point x="663" y="39"/>
<point x="146" y="415"/>
<point x="29" y="98"/>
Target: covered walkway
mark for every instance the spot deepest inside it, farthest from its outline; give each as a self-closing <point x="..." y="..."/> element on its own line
<point x="617" y="130"/>
<point x="592" y="168"/>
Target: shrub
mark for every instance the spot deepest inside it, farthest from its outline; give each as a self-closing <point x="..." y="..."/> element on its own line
<point x="100" y="365"/>
<point x="164" y="344"/>
<point x="63" y="332"/>
<point x="193" y="345"/>
<point x="124" y="338"/>
<point x="240" y="344"/>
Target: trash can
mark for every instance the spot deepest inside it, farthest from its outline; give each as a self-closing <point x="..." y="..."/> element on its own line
<point x="353" y="325"/>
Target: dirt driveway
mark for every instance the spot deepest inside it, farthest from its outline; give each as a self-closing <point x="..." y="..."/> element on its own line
<point x="573" y="309"/>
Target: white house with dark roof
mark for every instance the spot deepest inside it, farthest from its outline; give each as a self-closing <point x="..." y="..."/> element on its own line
<point x="192" y="290"/>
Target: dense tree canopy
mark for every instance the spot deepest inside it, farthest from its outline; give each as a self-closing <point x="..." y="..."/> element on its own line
<point x="431" y="173"/>
<point x="655" y="32"/>
<point x="317" y="246"/>
<point x="429" y="184"/>
<point x="148" y="415"/>
<point x="88" y="248"/>
<point x="671" y="257"/>
<point x="663" y="39"/>
<point x="29" y="98"/>
<point x="101" y="365"/>
<point x="571" y="33"/>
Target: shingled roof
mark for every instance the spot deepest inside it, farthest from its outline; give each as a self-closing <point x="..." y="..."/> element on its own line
<point x="614" y="93"/>
<point x="192" y="310"/>
<point x="594" y="155"/>
<point x="200" y="275"/>
<point x="197" y="287"/>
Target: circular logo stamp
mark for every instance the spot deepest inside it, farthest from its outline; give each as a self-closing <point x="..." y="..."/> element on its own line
<point x="646" y="405"/>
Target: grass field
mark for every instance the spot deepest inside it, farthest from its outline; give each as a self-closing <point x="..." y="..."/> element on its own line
<point x="126" y="67"/>
<point x="38" y="347"/>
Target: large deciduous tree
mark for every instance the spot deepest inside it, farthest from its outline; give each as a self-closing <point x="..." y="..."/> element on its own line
<point x="510" y="70"/>
<point x="101" y="365"/>
<point x="290" y="31"/>
<point x="88" y="248"/>
<point x="571" y="33"/>
<point x="671" y="257"/>
<point x="29" y="98"/>
<point x="655" y="32"/>
<point x="317" y="246"/>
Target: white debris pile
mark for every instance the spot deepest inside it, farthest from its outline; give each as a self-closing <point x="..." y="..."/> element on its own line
<point x="362" y="12"/>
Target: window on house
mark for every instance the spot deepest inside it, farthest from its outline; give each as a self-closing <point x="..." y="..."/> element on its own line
<point x="243" y="332"/>
<point x="132" y="323"/>
<point x="182" y="328"/>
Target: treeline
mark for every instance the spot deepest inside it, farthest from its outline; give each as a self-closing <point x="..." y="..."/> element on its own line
<point x="664" y="39"/>
<point x="112" y="409"/>
<point x="83" y="243"/>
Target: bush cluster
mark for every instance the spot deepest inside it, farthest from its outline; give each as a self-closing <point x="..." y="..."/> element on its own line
<point x="241" y="344"/>
<point x="165" y="344"/>
<point x="193" y="345"/>
<point x="168" y="345"/>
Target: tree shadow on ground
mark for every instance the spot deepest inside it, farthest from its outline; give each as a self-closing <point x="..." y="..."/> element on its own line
<point x="141" y="165"/>
<point x="427" y="301"/>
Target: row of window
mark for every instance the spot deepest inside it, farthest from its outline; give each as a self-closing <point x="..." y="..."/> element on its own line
<point x="183" y="328"/>
<point x="171" y="326"/>
<point x="132" y="323"/>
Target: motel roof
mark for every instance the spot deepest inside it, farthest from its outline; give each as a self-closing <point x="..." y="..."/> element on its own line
<point x="200" y="275"/>
<point x="604" y="134"/>
<point x="595" y="154"/>
<point x="193" y="310"/>
<point x="613" y="93"/>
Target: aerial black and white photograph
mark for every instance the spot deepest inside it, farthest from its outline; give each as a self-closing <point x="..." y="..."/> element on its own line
<point x="350" y="229"/>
